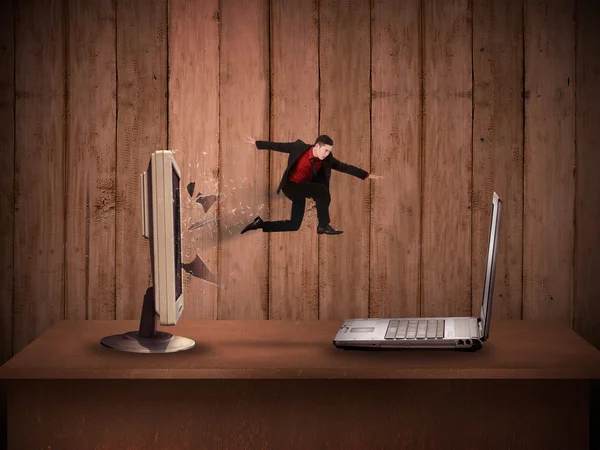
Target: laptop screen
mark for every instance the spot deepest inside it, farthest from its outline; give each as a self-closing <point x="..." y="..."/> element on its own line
<point x="490" y="269"/>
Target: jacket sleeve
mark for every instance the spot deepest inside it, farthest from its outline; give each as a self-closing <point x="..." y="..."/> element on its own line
<point x="349" y="169"/>
<point x="283" y="147"/>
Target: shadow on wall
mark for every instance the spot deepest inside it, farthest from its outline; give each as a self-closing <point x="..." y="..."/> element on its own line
<point x="231" y="223"/>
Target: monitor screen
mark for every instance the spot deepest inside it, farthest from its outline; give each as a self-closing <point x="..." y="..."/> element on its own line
<point x="177" y="232"/>
<point x="490" y="269"/>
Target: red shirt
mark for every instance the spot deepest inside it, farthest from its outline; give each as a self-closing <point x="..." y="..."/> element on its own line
<point x="302" y="171"/>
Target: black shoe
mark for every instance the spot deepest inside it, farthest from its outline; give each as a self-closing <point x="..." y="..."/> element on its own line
<point x="328" y="230"/>
<point x="254" y="225"/>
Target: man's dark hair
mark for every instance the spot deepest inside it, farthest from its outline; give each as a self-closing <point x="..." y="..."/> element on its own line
<point x="324" y="139"/>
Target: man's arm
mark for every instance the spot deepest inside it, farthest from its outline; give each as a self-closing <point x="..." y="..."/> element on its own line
<point x="283" y="147"/>
<point x="340" y="166"/>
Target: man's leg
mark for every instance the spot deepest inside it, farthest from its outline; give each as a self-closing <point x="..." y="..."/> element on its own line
<point x="298" y="205"/>
<point x="318" y="192"/>
<point x="298" y="193"/>
<point x="322" y="199"/>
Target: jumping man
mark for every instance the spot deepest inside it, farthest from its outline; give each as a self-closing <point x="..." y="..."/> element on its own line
<point x="306" y="176"/>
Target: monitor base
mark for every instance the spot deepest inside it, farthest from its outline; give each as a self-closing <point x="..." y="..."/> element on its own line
<point x="148" y="339"/>
<point x="161" y="342"/>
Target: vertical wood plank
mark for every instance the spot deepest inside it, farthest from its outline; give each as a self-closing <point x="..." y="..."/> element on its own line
<point x="498" y="150"/>
<point x="39" y="169"/>
<point x="447" y="164"/>
<point x="194" y="138"/>
<point x="586" y="308"/>
<point x="548" y="230"/>
<point x="345" y="116"/>
<point x="396" y="125"/>
<point x="293" y="285"/>
<point x="90" y="167"/>
<point x="7" y="181"/>
<point x="244" y="90"/>
<point x="141" y="130"/>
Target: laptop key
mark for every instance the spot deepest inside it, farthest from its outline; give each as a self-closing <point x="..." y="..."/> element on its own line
<point x="402" y="326"/>
<point x="431" y="328"/>
<point x="411" y="333"/>
<point x="440" y="329"/>
<point x="391" y="331"/>
<point x="421" y="329"/>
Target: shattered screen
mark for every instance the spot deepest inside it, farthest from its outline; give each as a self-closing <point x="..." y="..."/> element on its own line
<point x="177" y="233"/>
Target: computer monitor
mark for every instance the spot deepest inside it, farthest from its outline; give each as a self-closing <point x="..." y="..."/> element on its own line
<point x="161" y="224"/>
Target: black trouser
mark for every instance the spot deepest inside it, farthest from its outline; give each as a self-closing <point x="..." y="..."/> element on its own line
<point x="298" y="193"/>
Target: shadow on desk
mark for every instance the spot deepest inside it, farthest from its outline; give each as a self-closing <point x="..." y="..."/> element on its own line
<point x="98" y="350"/>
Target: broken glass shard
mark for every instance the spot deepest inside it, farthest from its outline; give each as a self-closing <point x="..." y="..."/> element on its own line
<point x="202" y="223"/>
<point x="208" y="200"/>
<point x="190" y="188"/>
<point x="199" y="269"/>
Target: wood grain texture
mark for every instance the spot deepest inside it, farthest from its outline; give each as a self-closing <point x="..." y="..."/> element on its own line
<point x="141" y="130"/>
<point x="498" y="150"/>
<point x="293" y="260"/>
<point x="243" y="170"/>
<point x="39" y="169"/>
<point x="7" y="181"/>
<point x="549" y="150"/>
<point x="281" y="349"/>
<point x="345" y="117"/>
<point x="447" y="159"/>
<point x="586" y="307"/>
<point x="91" y="156"/>
<point x="246" y="414"/>
<point x="396" y="133"/>
<point x="194" y="137"/>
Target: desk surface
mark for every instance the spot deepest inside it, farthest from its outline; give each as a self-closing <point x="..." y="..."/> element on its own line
<point x="269" y="349"/>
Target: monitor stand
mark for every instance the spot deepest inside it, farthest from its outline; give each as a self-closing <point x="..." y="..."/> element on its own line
<point x="148" y="339"/>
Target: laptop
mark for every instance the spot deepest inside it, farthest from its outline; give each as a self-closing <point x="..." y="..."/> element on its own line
<point x="460" y="333"/>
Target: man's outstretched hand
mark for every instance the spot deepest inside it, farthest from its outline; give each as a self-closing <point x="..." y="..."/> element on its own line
<point x="251" y="140"/>
<point x="375" y="177"/>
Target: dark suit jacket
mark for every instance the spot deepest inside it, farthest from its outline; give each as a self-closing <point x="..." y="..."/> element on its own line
<point x="296" y="149"/>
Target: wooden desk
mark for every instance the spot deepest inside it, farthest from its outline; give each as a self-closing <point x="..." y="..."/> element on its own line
<point x="273" y="384"/>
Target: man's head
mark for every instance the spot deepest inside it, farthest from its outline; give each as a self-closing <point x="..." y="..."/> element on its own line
<point x="323" y="146"/>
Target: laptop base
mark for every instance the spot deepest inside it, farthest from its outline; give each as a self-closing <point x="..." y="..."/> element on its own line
<point x="476" y="345"/>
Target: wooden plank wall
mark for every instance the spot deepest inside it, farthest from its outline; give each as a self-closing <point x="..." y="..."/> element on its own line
<point x="446" y="158"/>
<point x="244" y="108"/>
<point x="498" y="150"/>
<point x="344" y="115"/>
<point x="294" y="114"/>
<point x="448" y="101"/>
<point x="141" y="130"/>
<point x="586" y="304"/>
<point x="39" y="215"/>
<point x="7" y="182"/>
<point x="90" y="160"/>
<point x="549" y="158"/>
<point x="194" y="137"/>
<point x="396" y="124"/>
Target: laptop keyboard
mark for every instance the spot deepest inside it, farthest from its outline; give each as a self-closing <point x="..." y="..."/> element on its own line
<point x="415" y="329"/>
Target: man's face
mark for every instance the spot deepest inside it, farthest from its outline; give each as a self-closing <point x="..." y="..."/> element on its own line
<point x="322" y="150"/>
